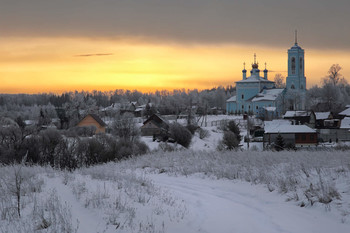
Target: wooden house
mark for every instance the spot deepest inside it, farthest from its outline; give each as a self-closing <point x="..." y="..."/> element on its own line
<point x="93" y="120"/>
<point x="155" y="125"/>
<point x="301" y="118"/>
<point x="293" y="135"/>
<point x="323" y="119"/>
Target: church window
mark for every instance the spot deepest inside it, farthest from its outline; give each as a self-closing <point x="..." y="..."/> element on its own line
<point x="293" y="65"/>
<point x="292" y="87"/>
<point x="242" y="106"/>
<point x="257" y="107"/>
<point x="242" y="96"/>
<point x="249" y="107"/>
<point x="301" y="63"/>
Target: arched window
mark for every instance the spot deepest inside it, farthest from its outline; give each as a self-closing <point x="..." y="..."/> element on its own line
<point x="301" y="63"/>
<point x="242" y="96"/>
<point x="292" y="87"/>
<point x="293" y="65"/>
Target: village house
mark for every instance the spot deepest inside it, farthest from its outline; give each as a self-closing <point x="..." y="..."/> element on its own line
<point x="155" y="125"/>
<point x="293" y="135"/>
<point x="322" y="118"/>
<point x="93" y="120"/>
<point x="301" y="118"/>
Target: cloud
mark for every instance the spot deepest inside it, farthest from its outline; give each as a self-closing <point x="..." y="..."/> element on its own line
<point x="93" y="54"/>
<point x="321" y="23"/>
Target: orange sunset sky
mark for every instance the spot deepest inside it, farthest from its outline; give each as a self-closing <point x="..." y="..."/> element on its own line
<point x="59" y="48"/>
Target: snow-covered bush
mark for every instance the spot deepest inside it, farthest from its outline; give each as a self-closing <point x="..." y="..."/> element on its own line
<point x="180" y="134"/>
<point x="203" y="133"/>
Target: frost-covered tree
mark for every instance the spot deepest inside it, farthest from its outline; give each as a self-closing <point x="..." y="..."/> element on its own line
<point x="279" y="143"/>
<point x="279" y="81"/>
<point x="334" y="76"/>
<point x="231" y="137"/>
<point x="124" y="127"/>
<point x="180" y="134"/>
<point x="230" y="140"/>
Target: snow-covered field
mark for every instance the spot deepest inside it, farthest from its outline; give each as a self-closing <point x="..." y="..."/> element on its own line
<point x="184" y="191"/>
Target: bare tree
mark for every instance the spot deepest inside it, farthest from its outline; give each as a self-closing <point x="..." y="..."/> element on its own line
<point x="334" y="75"/>
<point x="279" y="81"/>
<point x="125" y="127"/>
<point x="16" y="182"/>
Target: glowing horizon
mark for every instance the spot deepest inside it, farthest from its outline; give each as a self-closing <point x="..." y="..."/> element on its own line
<point x="38" y="64"/>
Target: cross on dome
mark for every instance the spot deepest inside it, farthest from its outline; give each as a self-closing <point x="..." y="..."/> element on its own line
<point x="255" y="65"/>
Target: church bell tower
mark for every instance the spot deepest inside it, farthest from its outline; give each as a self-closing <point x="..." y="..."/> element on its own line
<point x="296" y="81"/>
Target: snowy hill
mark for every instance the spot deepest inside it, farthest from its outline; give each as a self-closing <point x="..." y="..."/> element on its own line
<point x="184" y="191"/>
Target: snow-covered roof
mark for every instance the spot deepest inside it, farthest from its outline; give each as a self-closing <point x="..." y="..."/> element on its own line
<point x="232" y="99"/>
<point x="296" y="114"/>
<point x="346" y="112"/>
<point x="268" y="94"/>
<point x="30" y="122"/>
<point x="322" y="115"/>
<point x="274" y="123"/>
<point x="270" y="109"/>
<point x="115" y="106"/>
<point x="345" y="123"/>
<point x="254" y="78"/>
<point x="290" y="129"/>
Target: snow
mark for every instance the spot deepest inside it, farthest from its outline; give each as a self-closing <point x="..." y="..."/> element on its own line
<point x="86" y="221"/>
<point x="270" y="109"/>
<point x="209" y="143"/>
<point x="296" y="113"/>
<point x="211" y="205"/>
<point x="268" y="94"/>
<point x="290" y="129"/>
<point x="224" y="206"/>
<point x="346" y="112"/>
<point x="275" y="123"/>
<point x="322" y="115"/>
<point x="254" y="78"/>
<point x="345" y="123"/>
<point x="232" y="99"/>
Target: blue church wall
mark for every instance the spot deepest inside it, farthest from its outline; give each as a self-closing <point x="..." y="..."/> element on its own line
<point x="231" y="107"/>
<point x="248" y="90"/>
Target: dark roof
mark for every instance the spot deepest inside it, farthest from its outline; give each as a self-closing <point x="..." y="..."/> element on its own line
<point x="157" y="119"/>
<point x="97" y="118"/>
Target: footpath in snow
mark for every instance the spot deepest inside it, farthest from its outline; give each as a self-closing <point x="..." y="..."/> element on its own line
<point x="83" y="219"/>
<point x="223" y="206"/>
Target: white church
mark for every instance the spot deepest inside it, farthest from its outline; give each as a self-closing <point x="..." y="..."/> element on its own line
<point x="257" y="95"/>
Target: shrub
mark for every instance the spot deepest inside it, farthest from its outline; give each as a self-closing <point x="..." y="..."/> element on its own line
<point x="203" y="133"/>
<point x="231" y="137"/>
<point x="192" y="128"/>
<point x="180" y="134"/>
<point x="279" y="143"/>
<point x="230" y="140"/>
<point x="233" y="127"/>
